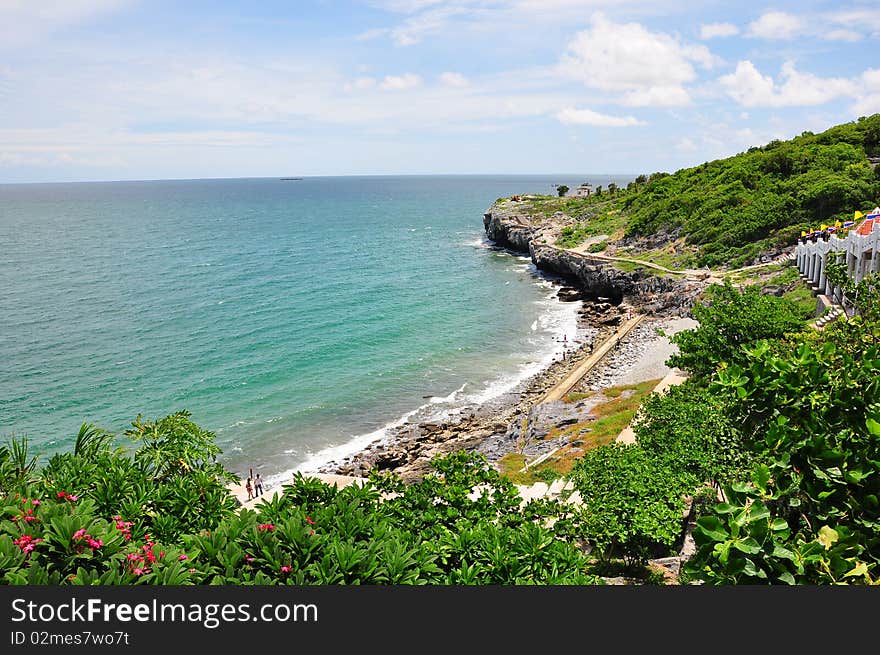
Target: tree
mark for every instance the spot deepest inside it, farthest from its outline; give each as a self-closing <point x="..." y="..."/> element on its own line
<point x="633" y="503"/>
<point x="732" y="319"/>
<point x="688" y="429"/>
<point x="561" y="189"/>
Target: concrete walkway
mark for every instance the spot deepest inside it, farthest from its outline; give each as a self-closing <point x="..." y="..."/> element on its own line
<point x="702" y="273"/>
<point x="560" y="389"/>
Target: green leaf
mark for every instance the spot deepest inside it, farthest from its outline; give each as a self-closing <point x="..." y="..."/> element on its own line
<point x="761" y="476"/>
<point x="860" y="569"/>
<point x="725" y="508"/>
<point x="758" y="512"/>
<point x="787" y="578"/>
<point x="781" y="551"/>
<point x="751" y="570"/>
<point x="827" y="536"/>
<point x="747" y="545"/>
<point x="873" y="427"/>
<point x="779" y="524"/>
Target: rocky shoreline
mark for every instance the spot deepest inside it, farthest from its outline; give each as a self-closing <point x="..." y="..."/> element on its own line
<point x="493" y="428"/>
<point x="408" y="449"/>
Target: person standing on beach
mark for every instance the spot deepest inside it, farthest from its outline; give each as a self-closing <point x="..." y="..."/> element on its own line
<point x="258" y="485"/>
<point x="250" y="488"/>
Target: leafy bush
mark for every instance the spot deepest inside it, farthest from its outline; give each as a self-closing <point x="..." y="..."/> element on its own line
<point x="633" y="503"/>
<point x="437" y="531"/>
<point x="688" y="429"/>
<point x="731" y="320"/>
<point x="811" y="416"/>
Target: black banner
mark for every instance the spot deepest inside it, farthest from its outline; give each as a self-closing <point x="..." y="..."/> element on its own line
<point x="407" y="619"/>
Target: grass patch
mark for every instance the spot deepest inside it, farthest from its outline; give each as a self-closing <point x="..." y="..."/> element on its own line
<point x="576" y="396"/>
<point x="597" y="218"/>
<point x="629" y="267"/>
<point x="803" y="298"/>
<point x="511" y="463"/>
<point x="674" y="256"/>
<point x="611" y="417"/>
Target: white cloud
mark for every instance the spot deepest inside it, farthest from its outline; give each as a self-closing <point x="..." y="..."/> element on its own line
<point x="647" y="67"/>
<point x="713" y="30"/>
<point x="401" y="82"/>
<point x="843" y="35"/>
<point x="775" y="25"/>
<point x="571" y="116"/>
<point x="361" y="84"/>
<point x="657" y="96"/>
<point x="860" y="19"/>
<point x="429" y="22"/>
<point x="868" y="101"/>
<point x="404" y="6"/>
<point x="748" y="87"/>
<point x="26" y="21"/>
<point x="453" y="79"/>
<point x="686" y="144"/>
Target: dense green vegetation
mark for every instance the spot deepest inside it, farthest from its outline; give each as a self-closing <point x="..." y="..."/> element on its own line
<point x="731" y="320"/>
<point x="729" y="210"/>
<point x="800" y="414"/>
<point x="161" y="514"/>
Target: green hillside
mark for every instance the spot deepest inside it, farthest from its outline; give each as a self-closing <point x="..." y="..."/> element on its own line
<point x="724" y="212"/>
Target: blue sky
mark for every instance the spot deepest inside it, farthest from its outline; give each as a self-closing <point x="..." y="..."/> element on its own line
<point x="130" y="89"/>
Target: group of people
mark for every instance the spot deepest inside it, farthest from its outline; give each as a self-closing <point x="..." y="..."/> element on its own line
<point x="253" y="485"/>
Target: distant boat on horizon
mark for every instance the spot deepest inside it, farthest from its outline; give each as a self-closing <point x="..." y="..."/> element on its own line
<point x="290" y="178"/>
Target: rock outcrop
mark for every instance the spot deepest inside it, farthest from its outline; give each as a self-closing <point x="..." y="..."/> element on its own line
<point x="597" y="279"/>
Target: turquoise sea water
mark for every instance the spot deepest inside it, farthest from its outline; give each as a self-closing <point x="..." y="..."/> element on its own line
<point x="294" y="318"/>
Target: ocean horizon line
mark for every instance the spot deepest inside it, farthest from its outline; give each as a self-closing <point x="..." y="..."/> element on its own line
<point x="294" y="177"/>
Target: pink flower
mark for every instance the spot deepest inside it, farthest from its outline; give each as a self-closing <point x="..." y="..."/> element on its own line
<point x="79" y="534"/>
<point x="183" y="557"/>
<point x="35" y="503"/>
<point x="27" y="542"/>
<point x="249" y="559"/>
<point x="137" y="571"/>
<point x="30" y="518"/>
<point x="285" y="569"/>
<point x="266" y="526"/>
<point x="310" y="521"/>
<point x="94" y="544"/>
<point x="72" y="498"/>
<point x="62" y="494"/>
<point x="133" y="556"/>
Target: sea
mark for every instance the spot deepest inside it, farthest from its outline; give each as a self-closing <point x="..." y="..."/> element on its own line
<point x="298" y="319"/>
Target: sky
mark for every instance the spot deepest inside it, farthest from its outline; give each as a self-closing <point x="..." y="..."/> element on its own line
<point x="138" y="89"/>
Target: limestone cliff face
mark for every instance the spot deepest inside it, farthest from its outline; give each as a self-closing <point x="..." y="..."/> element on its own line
<point x="595" y="277"/>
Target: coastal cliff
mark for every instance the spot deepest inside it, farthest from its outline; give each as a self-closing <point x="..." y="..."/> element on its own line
<point x="597" y="279"/>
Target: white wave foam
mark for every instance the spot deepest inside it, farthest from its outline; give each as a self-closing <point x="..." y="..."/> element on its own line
<point x="337" y="452"/>
<point x="436" y="400"/>
<point x="482" y="243"/>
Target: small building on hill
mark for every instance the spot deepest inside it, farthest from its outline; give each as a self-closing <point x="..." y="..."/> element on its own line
<point x="585" y="190"/>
